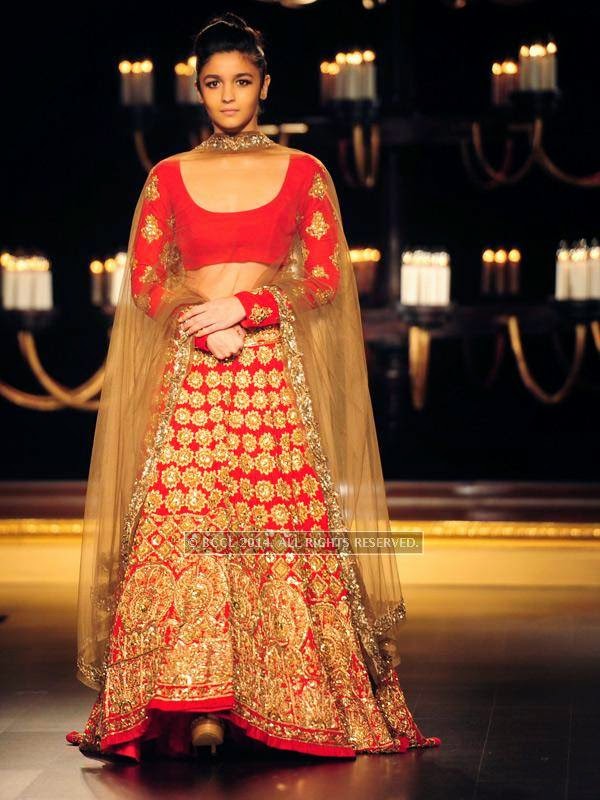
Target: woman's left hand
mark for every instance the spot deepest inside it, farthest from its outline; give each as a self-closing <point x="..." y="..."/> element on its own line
<point x="213" y="315"/>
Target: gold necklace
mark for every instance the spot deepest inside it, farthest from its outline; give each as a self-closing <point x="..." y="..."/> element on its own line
<point x="240" y="141"/>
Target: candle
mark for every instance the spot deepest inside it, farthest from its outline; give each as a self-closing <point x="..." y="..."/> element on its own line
<point x="369" y="75"/>
<point x="96" y="274"/>
<point x="353" y="86"/>
<point x="550" y="67"/>
<point x="500" y="257"/>
<point x="487" y="271"/>
<point x="339" y="90"/>
<point x="561" y="282"/>
<point x="43" y="290"/>
<point x="524" y="68"/>
<point x="514" y="268"/>
<point x="409" y="280"/>
<point x="496" y="84"/>
<point x="425" y="278"/>
<point x="579" y="272"/>
<point x="510" y="79"/>
<point x="594" y="269"/>
<point x="537" y="54"/>
<point x="137" y="83"/>
<point x="26" y="282"/>
<point x="365" y="261"/>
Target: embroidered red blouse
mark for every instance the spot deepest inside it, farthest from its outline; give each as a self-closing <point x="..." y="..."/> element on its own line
<point x="170" y="221"/>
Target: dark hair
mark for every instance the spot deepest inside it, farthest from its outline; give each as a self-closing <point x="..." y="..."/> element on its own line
<point x="227" y="32"/>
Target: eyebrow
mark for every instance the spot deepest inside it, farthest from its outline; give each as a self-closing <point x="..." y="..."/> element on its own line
<point x="237" y="75"/>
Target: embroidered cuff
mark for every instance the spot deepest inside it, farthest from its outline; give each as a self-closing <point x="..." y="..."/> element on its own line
<point x="260" y="307"/>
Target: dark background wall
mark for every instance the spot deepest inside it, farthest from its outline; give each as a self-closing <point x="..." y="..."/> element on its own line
<point x="70" y="181"/>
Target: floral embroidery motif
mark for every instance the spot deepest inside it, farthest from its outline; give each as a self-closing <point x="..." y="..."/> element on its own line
<point x="152" y="192"/>
<point x="148" y="275"/>
<point x="318" y="187"/>
<point x="318" y="226"/>
<point x="318" y="271"/>
<point x="259" y="313"/>
<point x="151" y="230"/>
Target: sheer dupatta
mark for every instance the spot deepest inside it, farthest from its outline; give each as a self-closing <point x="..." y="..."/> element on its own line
<point x="313" y="296"/>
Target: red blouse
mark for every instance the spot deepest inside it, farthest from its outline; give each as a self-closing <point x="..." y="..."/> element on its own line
<point x="171" y="222"/>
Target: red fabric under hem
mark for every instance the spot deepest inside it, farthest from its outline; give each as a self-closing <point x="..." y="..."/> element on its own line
<point x="128" y="743"/>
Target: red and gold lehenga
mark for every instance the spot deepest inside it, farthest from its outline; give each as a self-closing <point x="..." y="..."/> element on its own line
<point x="292" y="646"/>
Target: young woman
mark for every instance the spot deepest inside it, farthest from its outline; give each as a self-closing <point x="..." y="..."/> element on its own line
<point x="224" y="588"/>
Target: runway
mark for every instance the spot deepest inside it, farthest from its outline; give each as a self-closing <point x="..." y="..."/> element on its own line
<point x="507" y="677"/>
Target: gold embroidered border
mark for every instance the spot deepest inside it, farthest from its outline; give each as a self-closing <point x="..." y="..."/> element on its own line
<point x="299" y="386"/>
<point x="180" y="349"/>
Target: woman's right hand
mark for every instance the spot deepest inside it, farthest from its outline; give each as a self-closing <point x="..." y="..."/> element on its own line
<point x="226" y="342"/>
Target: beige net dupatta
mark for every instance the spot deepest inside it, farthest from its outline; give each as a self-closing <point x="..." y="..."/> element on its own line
<point x="325" y="364"/>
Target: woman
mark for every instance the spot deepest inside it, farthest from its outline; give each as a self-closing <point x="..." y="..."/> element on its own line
<point x="235" y="460"/>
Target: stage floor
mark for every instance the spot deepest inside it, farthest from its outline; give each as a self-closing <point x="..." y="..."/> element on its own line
<point x="507" y="677"/>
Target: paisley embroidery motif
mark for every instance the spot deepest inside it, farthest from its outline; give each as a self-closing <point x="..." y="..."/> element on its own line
<point x="318" y="226"/>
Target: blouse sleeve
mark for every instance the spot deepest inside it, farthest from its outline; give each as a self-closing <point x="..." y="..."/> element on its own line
<point x="153" y="244"/>
<point x="317" y="229"/>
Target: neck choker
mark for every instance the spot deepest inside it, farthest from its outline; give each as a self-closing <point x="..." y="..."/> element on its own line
<point x="241" y="141"/>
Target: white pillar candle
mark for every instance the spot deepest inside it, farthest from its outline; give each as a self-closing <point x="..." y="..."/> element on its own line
<point x="9" y="288"/>
<point x="354" y="82"/>
<point x="441" y="269"/>
<point x="340" y="79"/>
<point x="126" y="83"/>
<point x="42" y="290"/>
<point x="561" y="279"/>
<point x="594" y="269"/>
<point x="496" y="84"/>
<point x="537" y="53"/>
<point x="579" y="283"/>
<point x="550" y="66"/>
<point x="369" y="75"/>
<point x="500" y="257"/>
<point x="181" y="84"/>
<point x="524" y="69"/>
<point x="487" y="271"/>
<point x="409" y="280"/>
<point x="97" y="282"/>
<point x="24" y="286"/>
<point x="514" y="271"/>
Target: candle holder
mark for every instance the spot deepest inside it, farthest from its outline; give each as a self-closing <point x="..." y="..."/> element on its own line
<point x="576" y="311"/>
<point x="426" y="317"/>
<point x="530" y="103"/>
<point x="31" y="321"/>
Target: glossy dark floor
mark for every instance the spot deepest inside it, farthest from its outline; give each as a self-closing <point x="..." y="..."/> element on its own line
<point x="508" y="678"/>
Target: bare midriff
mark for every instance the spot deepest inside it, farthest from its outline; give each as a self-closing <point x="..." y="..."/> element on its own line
<point x="223" y="280"/>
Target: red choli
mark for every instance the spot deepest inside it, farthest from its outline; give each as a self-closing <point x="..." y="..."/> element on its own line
<point x="170" y="218"/>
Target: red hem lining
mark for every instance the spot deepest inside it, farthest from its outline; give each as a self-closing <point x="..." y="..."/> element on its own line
<point x="127" y="743"/>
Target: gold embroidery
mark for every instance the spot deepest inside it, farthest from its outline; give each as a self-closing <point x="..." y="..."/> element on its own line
<point x="146" y="597"/>
<point x="142" y="301"/>
<point x="318" y="226"/>
<point x="151" y="230"/>
<point x="170" y="258"/>
<point x="318" y="187"/>
<point x="299" y="382"/>
<point x="148" y="275"/>
<point x="318" y="271"/>
<point x="335" y="256"/>
<point x="273" y="635"/>
<point x="152" y="192"/>
<point x="259" y="313"/>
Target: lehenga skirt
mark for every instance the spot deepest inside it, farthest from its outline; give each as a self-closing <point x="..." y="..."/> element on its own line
<point x="263" y="640"/>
